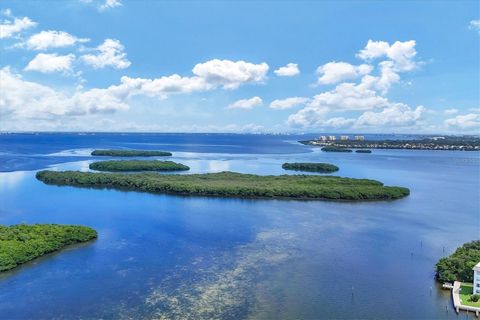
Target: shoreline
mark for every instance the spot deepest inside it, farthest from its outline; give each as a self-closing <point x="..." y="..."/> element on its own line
<point x="455" y="144"/>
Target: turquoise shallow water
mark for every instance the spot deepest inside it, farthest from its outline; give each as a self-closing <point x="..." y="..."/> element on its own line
<point x="160" y="256"/>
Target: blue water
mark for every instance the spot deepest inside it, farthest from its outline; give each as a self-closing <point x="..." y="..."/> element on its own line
<point x="163" y="256"/>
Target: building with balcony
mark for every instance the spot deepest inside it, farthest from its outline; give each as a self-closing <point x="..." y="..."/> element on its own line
<point x="476" y="279"/>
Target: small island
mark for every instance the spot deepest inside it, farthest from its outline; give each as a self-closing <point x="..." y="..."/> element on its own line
<point x="130" y="153"/>
<point x="363" y="151"/>
<point x="310" y="167"/>
<point x="335" y="149"/>
<point x="232" y="184"/>
<point x="22" y="243"/>
<point x="138" y="165"/>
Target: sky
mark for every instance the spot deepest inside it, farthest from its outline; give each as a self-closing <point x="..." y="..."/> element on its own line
<point x="246" y="66"/>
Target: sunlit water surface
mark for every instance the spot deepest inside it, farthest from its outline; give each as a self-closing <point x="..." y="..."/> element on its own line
<point x="172" y="257"/>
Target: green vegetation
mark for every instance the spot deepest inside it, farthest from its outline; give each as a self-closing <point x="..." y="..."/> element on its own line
<point x="22" y="243"/>
<point x="313" y="167"/>
<point x="137" y="165"/>
<point x="231" y="184"/>
<point x="458" y="266"/>
<point x="466" y="296"/>
<point x="130" y="153"/>
<point x="335" y="149"/>
<point x="363" y="151"/>
<point x="464" y="143"/>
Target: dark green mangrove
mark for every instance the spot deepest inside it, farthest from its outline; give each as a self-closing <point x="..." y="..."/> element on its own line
<point x="130" y="153"/>
<point x="137" y="165"/>
<point x="363" y="151"/>
<point x="310" y="166"/>
<point x="458" y="266"/>
<point x="335" y="149"/>
<point x="231" y="184"/>
<point x="22" y="243"/>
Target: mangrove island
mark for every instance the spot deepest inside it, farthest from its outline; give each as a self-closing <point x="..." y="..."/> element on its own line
<point x="137" y="165"/>
<point x="22" y="243"/>
<point x="130" y="153"/>
<point x="335" y="149"/>
<point x="363" y="151"/>
<point x="232" y="184"/>
<point x="310" y="167"/>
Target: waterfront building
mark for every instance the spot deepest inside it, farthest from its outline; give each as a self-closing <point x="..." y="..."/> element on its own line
<point x="332" y="138"/>
<point x="360" y="138"/>
<point x="323" y="138"/>
<point x="476" y="279"/>
<point x="344" y="138"/>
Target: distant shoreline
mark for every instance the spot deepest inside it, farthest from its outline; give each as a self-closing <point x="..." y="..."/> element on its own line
<point x="447" y="143"/>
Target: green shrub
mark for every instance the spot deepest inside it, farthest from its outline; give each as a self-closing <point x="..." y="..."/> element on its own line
<point x="458" y="266"/>
<point x="137" y="165"/>
<point x="22" y="243"/>
<point x="231" y="184"/>
<point x="335" y="149"/>
<point x="363" y="151"/>
<point x="130" y="153"/>
<point x="312" y="167"/>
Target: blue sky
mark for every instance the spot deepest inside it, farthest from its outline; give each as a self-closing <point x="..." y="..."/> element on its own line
<point x="348" y="66"/>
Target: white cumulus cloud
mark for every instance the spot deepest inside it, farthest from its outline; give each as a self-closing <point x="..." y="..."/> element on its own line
<point x="282" y="104"/>
<point x="109" y="54"/>
<point x="25" y="99"/>
<point x="450" y="111"/>
<point x="474" y="25"/>
<point x="395" y="115"/>
<point x="334" y="72"/>
<point x="290" y="70"/>
<point x="465" y="122"/>
<point x="338" y="123"/>
<point x="366" y="94"/>
<point x="349" y="96"/>
<point x="51" y="39"/>
<point x="9" y="28"/>
<point x="401" y="53"/>
<point x="208" y="75"/>
<point x="246" y="103"/>
<point x="48" y="63"/>
<point x="231" y="74"/>
<point x="21" y="99"/>
<point x="345" y="97"/>
<point x="110" y="4"/>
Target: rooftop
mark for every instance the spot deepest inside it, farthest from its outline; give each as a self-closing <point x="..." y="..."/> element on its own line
<point x="477" y="267"/>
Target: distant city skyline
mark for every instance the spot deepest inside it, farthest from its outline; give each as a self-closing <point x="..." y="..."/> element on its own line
<point x="242" y="67"/>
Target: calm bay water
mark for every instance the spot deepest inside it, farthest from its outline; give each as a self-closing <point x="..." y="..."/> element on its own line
<point x="160" y="256"/>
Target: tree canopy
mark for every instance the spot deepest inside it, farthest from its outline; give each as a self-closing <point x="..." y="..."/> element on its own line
<point x="130" y="153"/>
<point x="231" y="184"/>
<point x="335" y="149"/>
<point x="310" y="166"/>
<point x="22" y="243"/>
<point x="137" y="165"/>
<point x="458" y="266"/>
